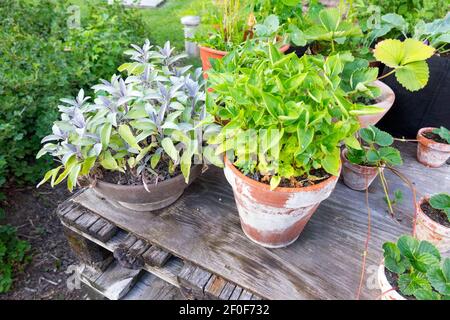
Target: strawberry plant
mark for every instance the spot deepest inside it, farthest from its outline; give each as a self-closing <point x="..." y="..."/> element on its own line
<point x="441" y="202"/>
<point x="443" y="133"/>
<point x="417" y="269"/>
<point x="142" y="126"/>
<point x="285" y="116"/>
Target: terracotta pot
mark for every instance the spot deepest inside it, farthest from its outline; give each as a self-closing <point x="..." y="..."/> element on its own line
<point x="208" y="53"/>
<point x="429" y="230"/>
<point x="274" y="219"/>
<point x="384" y="101"/>
<point x="355" y="176"/>
<point x="136" y="198"/>
<point x="429" y="152"/>
<point x="387" y="292"/>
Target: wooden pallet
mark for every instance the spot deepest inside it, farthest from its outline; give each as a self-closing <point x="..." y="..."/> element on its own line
<point x="135" y="269"/>
<point x="211" y="257"/>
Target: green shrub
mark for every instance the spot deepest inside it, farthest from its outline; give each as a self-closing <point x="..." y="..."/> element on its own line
<point x="42" y="60"/>
<point x="14" y="254"/>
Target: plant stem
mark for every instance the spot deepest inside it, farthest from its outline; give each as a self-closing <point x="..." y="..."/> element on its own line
<point x="405" y="140"/>
<point x="386" y="75"/>
<point x="386" y="190"/>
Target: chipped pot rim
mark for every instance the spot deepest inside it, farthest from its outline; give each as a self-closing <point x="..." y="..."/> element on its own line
<point x="443" y="147"/>
<point x="425" y="216"/>
<point x="266" y="187"/>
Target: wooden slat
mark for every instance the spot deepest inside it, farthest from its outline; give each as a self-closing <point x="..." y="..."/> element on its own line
<point x="167" y="273"/>
<point x="86" y="220"/>
<point x="115" y="282"/>
<point x="150" y="287"/>
<point x="192" y="280"/>
<point x="236" y="293"/>
<point x="227" y="291"/>
<point x="203" y="227"/>
<point x="246" y="295"/>
<point x="156" y="257"/>
<point x="214" y="287"/>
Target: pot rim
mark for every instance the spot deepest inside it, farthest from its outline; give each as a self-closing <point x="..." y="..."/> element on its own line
<point x="443" y="147"/>
<point x="359" y="166"/>
<point x="266" y="187"/>
<point x="387" y="96"/>
<point x="382" y="277"/>
<point x="425" y="216"/>
<point x="141" y="186"/>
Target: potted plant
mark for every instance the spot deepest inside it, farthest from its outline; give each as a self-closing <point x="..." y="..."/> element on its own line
<point x="136" y="143"/>
<point x="433" y="220"/>
<point x="361" y="166"/>
<point x="413" y="269"/>
<point x="286" y="119"/>
<point x="230" y="23"/>
<point x="433" y="148"/>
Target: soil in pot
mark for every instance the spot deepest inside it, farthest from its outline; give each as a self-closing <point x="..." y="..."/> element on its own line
<point x="436" y="215"/>
<point x="357" y="176"/>
<point x="392" y="278"/>
<point x="294" y="182"/>
<point x="434" y="137"/>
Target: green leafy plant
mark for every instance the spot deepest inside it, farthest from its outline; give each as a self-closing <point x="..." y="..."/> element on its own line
<point x="377" y="150"/>
<point x="407" y="60"/>
<point x="298" y="102"/>
<point x="418" y="269"/>
<point x="437" y="33"/>
<point x="143" y="126"/>
<point x="43" y="60"/>
<point x="14" y="254"/>
<point x="443" y="133"/>
<point x="441" y="202"/>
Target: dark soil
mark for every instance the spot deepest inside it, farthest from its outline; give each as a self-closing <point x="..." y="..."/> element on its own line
<point x="434" y="137"/>
<point x="392" y="278"/>
<point x="366" y="101"/>
<point x="32" y="212"/>
<point x="436" y="215"/>
<point x="162" y="170"/>
<point x="295" y="182"/>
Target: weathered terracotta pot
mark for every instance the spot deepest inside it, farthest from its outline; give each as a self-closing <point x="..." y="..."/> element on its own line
<point x="384" y="101"/>
<point x="355" y="176"/>
<point x="429" y="230"/>
<point x="208" y="53"/>
<point x="429" y="152"/>
<point x="387" y="292"/>
<point x="136" y="198"/>
<point x="274" y="219"/>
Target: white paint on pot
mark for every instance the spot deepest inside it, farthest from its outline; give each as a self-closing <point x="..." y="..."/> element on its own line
<point x="387" y="292"/>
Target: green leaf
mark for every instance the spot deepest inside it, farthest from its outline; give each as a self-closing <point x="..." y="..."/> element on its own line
<point x="382" y="138"/>
<point x="108" y="162"/>
<point x="413" y="76"/>
<point x="87" y="165"/>
<point x="291" y="3"/>
<point x="155" y="160"/>
<point x="441" y="202"/>
<point x="425" y="294"/>
<point x="274" y="182"/>
<point x="305" y="137"/>
<point x="368" y="134"/>
<point x="210" y="155"/>
<point x="393" y="259"/>
<point x="439" y="279"/>
<point x="170" y="149"/>
<point x="331" y="162"/>
<point x="294" y="82"/>
<point x="390" y="52"/>
<point x="127" y="135"/>
<point x="50" y="174"/>
<point x="330" y="18"/>
<point x="352" y="142"/>
<point x="410" y="283"/>
<point x="407" y="246"/>
<point x="73" y="176"/>
<point x="390" y="156"/>
<point x="444" y="133"/>
<point x="272" y="104"/>
<point x="185" y="163"/>
<point x="416" y="51"/>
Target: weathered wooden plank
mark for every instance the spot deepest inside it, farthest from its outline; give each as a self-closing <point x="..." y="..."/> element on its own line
<point x="214" y="287"/>
<point x="203" y="227"/>
<point x="227" y="291"/>
<point x="150" y="287"/>
<point x="192" y="280"/>
<point x="86" y="220"/>
<point x="156" y="257"/>
<point x="236" y="293"/>
<point x="106" y="232"/>
<point x="254" y="297"/>
<point x="73" y="213"/>
<point x="128" y="253"/>
<point x="245" y="295"/>
<point x="167" y="273"/>
<point x="115" y="282"/>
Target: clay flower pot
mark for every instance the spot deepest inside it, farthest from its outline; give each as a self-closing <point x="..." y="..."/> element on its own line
<point x="429" y="152"/>
<point x="274" y="219"/>
<point x="430" y="230"/>
<point x="384" y="101"/>
<point x="387" y="292"/>
<point x="355" y="176"/>
<point x="208" y="53"/>
<point x="136" y="198"/>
